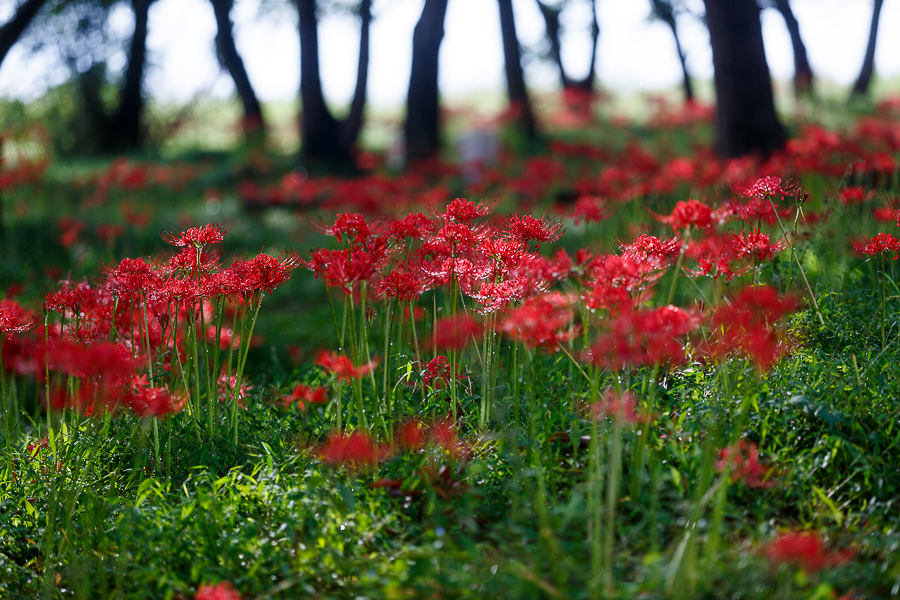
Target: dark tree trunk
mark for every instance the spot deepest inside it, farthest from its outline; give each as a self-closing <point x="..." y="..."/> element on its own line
<point x="551" y="22"/>
<point x="746" y="122"/>
<point x="127" y="133"/>
<point x="231" y="59"/>
<point x="422" y="127"/>
<point x="13" y="29"/>
<point x="665" y="13"/>
<point x="519" y="102"/>
<point x="803" y="76"/>
<point x="861" y="87"/>
<point x="323" y="136"/>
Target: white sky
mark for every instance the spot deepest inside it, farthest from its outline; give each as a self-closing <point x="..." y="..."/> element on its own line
<point x="633" y="53"/>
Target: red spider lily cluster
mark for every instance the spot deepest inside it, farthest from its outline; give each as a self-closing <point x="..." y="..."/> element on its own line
<point x="219" y="591"/>
<point x="153" y="335"/>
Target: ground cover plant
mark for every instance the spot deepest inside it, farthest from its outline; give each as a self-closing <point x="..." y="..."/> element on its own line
<point x="613" y="367"/>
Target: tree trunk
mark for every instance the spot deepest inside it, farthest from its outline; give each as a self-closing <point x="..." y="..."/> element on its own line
<point x="746" y="122"/>
<point x="422" y="127"/>
<point x="551" y="22"/>
<point x="865" y="75"/>
<point x="13" y="29"/>
<point x="665" y="13"/>
<point x="352" y="124"/>
<point x="128" y="131"/>
<point x="803" y="76"/>
<point x="323" y="137"/>
<point x="519" y="102"/>
<point x="231" y="59"/>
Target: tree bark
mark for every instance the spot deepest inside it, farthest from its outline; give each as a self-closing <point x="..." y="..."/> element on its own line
<point x="324" y="137"/>
<point x="665" y="13"/>
<point x="13" y="29"/>
<point x="746" y="122"/>
<point x="861" y="87"/>
<point x="519" y="101"/>
<point x="231" y="59"/>
<point x="128" y="133"/>
<point x="422" y="127"/>
<point x="803" y="75"/>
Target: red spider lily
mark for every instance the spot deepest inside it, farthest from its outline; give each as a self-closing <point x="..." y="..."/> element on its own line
<point x="693" y="213"/>
<point x="436" y="373"/>
<point x="444" y="434"/>
<point x="403" y="283"/>
<point x="767" y="186"/>
<point x="411" y="436"/>
<point x="495" y="297"/>
<point x="590" y="209"/>
<point x="346" y="268"/>
<point x="69" y="231"/>
<point x="195" y="237"/>
<point x="716" y="255"/>
<point x="154" y="401"/>
<point x="464" y="211"/>
<point x="742" y="460"/>
<point x="526" y="229"/>
<point x="354" y="450"/>
<point x="605" y="295"/>
<point x="643" y="337"/>
<point x="757" y="209"/>
<point x="506" y="254"/>
<point x="189" y="263"/>
<point x="757" y="245"/>
<point x="456" y="332"/>
<point x="347" y="225"/>
<point x="854" y="195"/>
<point x="542" y="321"/>
<point x="220" y="591"/>
<point x="264" y="273"/>
<point x="746" y="326"/>
<point x="342" y="367"/>
<point x="805" y="549"/>
<point x="14" y="318"/>
<point x="110" y="362"/>
<point x="131" y="279"/>
<point x="881" y="243"/>
<point x="415" y="225"/>
<point x="73" y="299"/>
<point x="650" y="256"/>
<point x="623" y="407"/>
<point x="304" y="394"/>
<point x="230" y="388"/>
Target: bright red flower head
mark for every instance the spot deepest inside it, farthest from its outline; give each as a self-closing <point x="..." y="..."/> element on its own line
<point x="195" y="237"/>
<point x="343" y="367"/>
<point x="542" y="321"/>
<point x="303" y="394"/>
<point x="13" y="318"/>
<point x="742" y="460"/>
<point x="220" y="591"/>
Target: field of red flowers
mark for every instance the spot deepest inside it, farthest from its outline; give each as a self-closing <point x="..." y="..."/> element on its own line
<point x="611" y="366"/>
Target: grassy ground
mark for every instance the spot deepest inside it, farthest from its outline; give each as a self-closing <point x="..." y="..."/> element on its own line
<point x="758" y="459"/>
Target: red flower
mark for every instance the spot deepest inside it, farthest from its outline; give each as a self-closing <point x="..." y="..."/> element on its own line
<point x="526" y="229"/>
<point x="220" y="591"/>
<point x="195" y="237"/>
<point x="692" y="213"/>
<point x="415" y="225"/>
<point x="590" y="210"/>
<point x="463" y="211"/>
<point x="742" y="460"/>
<point x="154" y="402"/>
<point x="347" y="225"/>
<point x="767" y="186"/>
<point x="757" y="245"/>
<point x="454" y="333"/>
<point x="411" y="436"/>
<point x="883" y="242"/>
<point x="355" y="450"/>
<point x="542" y="321"/>
<point x="13" y="318"/>
<point x="805" y="549"/>
<point x="303" y="394"/>
<point x="643" y="338"/>
<point x="342" y="367"/>
<point x="617" y="406"/>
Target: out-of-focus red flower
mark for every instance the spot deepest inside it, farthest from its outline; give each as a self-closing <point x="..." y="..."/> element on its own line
<point x="354" y="450"/>
<point x="615" y="406"/>
<point x="590" y="209"/>
<point x="343" y="367"/>
<point x="542" y="321"/>
<point x="806" y="550"/>
<point x="455" y="333"/>
<point x="643" y="338"/>
<point x="303" y="394"/>
<point x="220" y="591"/>
<point x="693" y="213"/>
<point x="742" y="460"/>
<point x="411" y="436"/>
